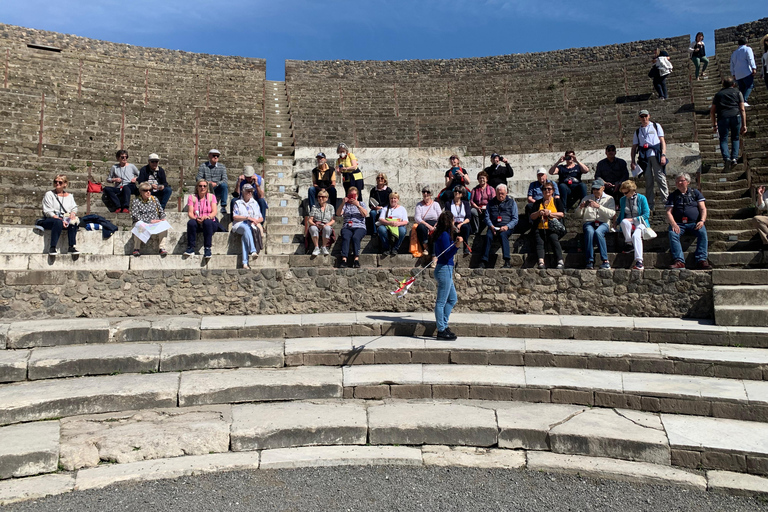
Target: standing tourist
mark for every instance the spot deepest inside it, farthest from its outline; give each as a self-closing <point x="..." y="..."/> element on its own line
<point x="215" y="173"/>
<point x="649" y="151"/>
<point x="728" y="115"/>
<point x="743" y="68"/>
<point x="699" y="56"/>
<point x="124" y="177"/>
<point x="349" y="168"/>
<point x="663" y="68"/>
<point x="445" y="249"/>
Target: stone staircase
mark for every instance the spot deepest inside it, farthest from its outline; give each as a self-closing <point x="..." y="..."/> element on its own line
<point x="665" y="401"/>
<point x="741" y="298"/>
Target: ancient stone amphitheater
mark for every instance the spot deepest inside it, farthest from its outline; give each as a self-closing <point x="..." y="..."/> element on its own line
<point x="118" y="368"/>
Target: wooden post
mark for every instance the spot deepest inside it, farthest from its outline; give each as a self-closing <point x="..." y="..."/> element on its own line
<point x="88" y="194"/>
<point x="42" y="116"/>
<point x="180" y="199"/>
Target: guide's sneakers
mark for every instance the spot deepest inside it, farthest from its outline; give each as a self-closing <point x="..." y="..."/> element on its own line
<point x="316" y="252"/>
<point x="446" y="335"/>
<point x="605" y="265"/>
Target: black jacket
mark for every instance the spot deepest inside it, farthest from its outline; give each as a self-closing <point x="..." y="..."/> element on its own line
<point x="499" y="174"/>
<point x="160" y="174"/>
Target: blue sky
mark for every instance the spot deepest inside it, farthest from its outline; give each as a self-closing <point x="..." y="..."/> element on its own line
<point x="379" y="30"/>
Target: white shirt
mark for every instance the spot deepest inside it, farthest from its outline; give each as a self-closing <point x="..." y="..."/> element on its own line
<point x="243" y="209"/>
<point x="54" y="205"/>
<point x="458" y="212"/>
<point x="764" y="208"/>
<point x="399" y="213"/>
<point x="648" y="136"/>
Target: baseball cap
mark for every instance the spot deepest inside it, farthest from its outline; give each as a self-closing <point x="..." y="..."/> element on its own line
<point x="214" y="152"/>
<point x="247" y="186"/>
<point x="643" y="112"/>
<point x="320" y="155"/>
<point x="494" y="155"/>
<point x="248" y="171"/>
<point x="541" y="170"/>
<point x="153" y="156"/>
<point x="598" y="183"/>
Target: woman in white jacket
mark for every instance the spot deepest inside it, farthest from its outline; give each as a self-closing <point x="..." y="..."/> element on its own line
<point x="60" y="213"/>
<point x="662" y="63"/>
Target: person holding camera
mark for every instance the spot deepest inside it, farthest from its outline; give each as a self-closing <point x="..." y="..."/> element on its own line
<point x="569" y="171"/>
<point x="613" y="171"/>
<point x="597" y="210"/>
<point x="456" y="176"/>
<point x="649" y="148"/>
<point x="501" y="219"/>
<point x="544" y="210"/>
<point x="497" y="173"/>
<point x="354" y="214"/>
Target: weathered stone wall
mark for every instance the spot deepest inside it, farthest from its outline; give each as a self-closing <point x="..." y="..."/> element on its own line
<point x="753" y="31"/>
<point x="659" y="293"/>
<point x="14" y="35"/>
<point x="542" y="60"/>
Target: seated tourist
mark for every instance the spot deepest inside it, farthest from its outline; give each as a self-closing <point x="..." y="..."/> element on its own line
<point x="321" y="221"/>
<point x="391" y="225"/>
<point x="202" y="210"/>
<point x="545" y="209"/>
<point x="456" y="176"/>
<point x="479" y="198"/>
<point x="462" y="212"/>
<point x="248" y="218"/>
<point x="378" y="199"/>
<point x="501" y="219"/>
<point x="323" y="178"/>
<point x="687" y="213"/>
<point x="215" y="173"/>
<point x="153" y="174"/>
<point x="613" y="171"/>
<point x="761" y="221"/>
<point x="634" y="218"/>
<point x="59" y="214"/>
<point x="257" y="182"/>
<point x="427" y="212"/>
<point x="569" y="171"/>
<point x="497" y="173"/>
<point x="149" y="220"/>
<point x="534" y="189"/>
<point x="124" y="177"/>
<point x="354" y="214"/>
<point x="596" y="211"/>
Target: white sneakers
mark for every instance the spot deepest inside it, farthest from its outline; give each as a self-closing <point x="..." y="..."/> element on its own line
<point x="316" y="252"/>
<point x="325" y="252"/>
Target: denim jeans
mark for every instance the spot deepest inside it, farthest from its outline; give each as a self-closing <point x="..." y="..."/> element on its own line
<point x="221" y="191"/>
<point x="312" y="195"/>
<point x="246" y="240"/>
<point x="163" y="195"/>
<point x="746" y="85"/>
<point x="589" y="240"/>
<point x="193" y="228"/>
<point x="503" y="237"/>
<point x="576" y="191"/>
<point x="660" y="86"/>
<point x="446" y="295"/>
<point x="121" y="197"/>
<point x="384" y="237"/>
<point x="701" y="242"/>
<point x="57" y="226"/>
<point x="732" y="125"/>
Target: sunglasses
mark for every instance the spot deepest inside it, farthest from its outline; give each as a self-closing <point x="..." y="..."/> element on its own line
<point x="58" y="182"/>
<point x="213" y="156"/>
<point x="202" y="186"/>
<point x="426" y="193"/>
<point x="548" y="188"/>
<point x="124" y="156"/>
<point x="643" y="116"/>
<point x="154" y="161"/>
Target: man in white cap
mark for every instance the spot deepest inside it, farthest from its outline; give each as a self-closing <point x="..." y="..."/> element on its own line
<point x="250" y="177"/>
<point x="215" y="174"/>
<point x="153" y="174"/>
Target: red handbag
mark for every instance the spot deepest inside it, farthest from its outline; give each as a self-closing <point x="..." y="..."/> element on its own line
<point x="94" y="188"/>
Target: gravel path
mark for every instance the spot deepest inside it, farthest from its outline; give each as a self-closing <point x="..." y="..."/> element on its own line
<point x="368" y="489"/>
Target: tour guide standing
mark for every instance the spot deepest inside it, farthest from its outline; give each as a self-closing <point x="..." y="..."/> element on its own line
<point x="215" y="174"/>
<point x="649" y="148"/>
<point x="445" y="249"/>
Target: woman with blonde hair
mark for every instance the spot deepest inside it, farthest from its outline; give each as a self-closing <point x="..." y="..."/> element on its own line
<point x="202" y="210"/>
<point x="378" y="199"/>
<point x="354" y="214"/>
<point x="633" y="219"/>
<point x="59" y="214"/>
<point x="149" y="219"/>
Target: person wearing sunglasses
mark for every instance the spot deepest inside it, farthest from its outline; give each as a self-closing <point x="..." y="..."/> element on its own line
<point x="202" y="209"/>
<point x="544" y="210"/>
<point x="124" y="177"/>
<point x="649" y="151"/>
<point x="427" y="212"/>
<point x="153" y="174"/>
<point x="215" y="173"/>
<point x="59" y="214"/>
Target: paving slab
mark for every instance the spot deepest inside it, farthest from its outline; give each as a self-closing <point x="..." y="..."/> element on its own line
<point x="737" y="483"/>
<point x="757" y="391"/>
<point x="328" y="319"/>
<point x="714" y="353"/>
<point x="318" y="456"/>
<point x="477" y="375"/>
<point x="512" y="320"/>
<point x="22" y="489"/>
<point x="87" y="441"/>
<point x="526" y="425"/>
<point x="319" y="344"/>
<point x="47" y="333"/>
<point x="175" y="328"/>
<point x="472" y="457"/>
<point x="719" y="434"/>
<point x="18" y="262"/>
<point x="270" y="320"/>
<point x="375" y="374"/>
<point x="290" y="424"/>
<point x="597" y="322"/>
<point x="593" y="348"/>
<point x="29" y="449"/>
<point x="13" y="365"/>
<point x="479" y="344"/>
<point x="428" y="422"/>
<point x="78" y="360"/>
<point x="102" y="476"/>
<point x="259" y="384"/>
<point x="222" y="322"/>
<point x="677" y="386"/>
<point x="130" y="329"/>
<point x="31" y="401"/>
<point x="622" y="470"/>
<point x="571" y="378"/>
<point x="389" y="342"/>
<point x="199" y="355"/>
<point x="90" y="262"/>
<point x="628" y="435"/>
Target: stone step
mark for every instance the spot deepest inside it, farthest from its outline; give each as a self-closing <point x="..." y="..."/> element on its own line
<point x="747" y="315"/>
<point x="756" y="295"/>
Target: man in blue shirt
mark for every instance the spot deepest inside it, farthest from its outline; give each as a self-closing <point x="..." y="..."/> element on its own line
<point x="534" y="189"/>
<point x="501" y="219"/>
<point x="686" y="213"/>
<point x="743" y="68"/>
